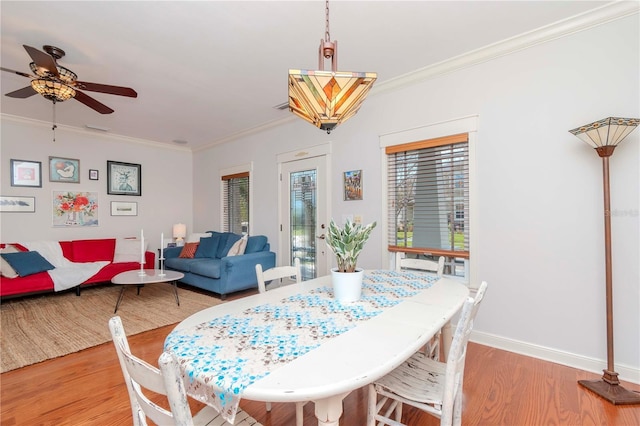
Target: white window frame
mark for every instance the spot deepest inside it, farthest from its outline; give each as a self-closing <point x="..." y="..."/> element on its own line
<point x="469" y="125"/>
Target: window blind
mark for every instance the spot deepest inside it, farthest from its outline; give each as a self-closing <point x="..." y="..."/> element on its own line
<point x="428" y="190"/>
<point x="235" y="201"/>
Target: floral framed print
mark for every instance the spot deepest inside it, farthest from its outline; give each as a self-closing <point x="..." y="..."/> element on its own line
<point x="353" y="185"/>
<point x="26" y="173"/>
<point x="124" y="178"/>
<point x="64" y="170"/>
<point x="71" y="209"/>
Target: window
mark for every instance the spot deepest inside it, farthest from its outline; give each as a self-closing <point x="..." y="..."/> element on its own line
<point x="235" y="203"/>
<point x="428" y="190"/>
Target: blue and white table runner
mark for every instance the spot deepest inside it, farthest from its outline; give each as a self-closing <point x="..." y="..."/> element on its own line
<point x="231" y="352"/>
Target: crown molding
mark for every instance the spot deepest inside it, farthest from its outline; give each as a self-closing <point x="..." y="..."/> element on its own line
<point x="584" y="21"/>
<point x="92" y="133"/>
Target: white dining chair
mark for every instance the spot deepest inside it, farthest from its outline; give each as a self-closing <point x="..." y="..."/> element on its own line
<point x="166" y="380"/>
<point x="278" y="273"/>
<point x="403" y="262"/>
<point x="429" y="385"/>
<point x="432" y="348"/>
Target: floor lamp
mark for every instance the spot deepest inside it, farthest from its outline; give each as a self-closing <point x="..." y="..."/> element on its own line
<point x="604" y="135"/>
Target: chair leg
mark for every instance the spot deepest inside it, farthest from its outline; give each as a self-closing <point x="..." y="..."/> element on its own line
<point x="371" y="406"/>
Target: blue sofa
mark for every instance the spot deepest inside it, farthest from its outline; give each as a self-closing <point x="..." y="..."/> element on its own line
<point x="211" y="269"/>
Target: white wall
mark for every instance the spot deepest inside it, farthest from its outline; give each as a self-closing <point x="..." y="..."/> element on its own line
<point x="167" y="183"/>
<point x="540" y="236"/>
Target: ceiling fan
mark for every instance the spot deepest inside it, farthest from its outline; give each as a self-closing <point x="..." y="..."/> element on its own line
<point x="58" y="83"/>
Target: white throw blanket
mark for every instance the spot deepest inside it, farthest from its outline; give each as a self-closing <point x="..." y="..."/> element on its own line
<point x="67" y="274"/>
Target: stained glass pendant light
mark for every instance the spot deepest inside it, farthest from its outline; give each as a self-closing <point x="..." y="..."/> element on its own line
<point x="327" y="98"/>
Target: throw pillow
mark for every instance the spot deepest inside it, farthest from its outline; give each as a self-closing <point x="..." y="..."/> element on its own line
<point x="208" y="247"/>
<point x="5" y="269"/>
<point x="230" y="239"/>
<point x="256" y="243"/>
<point x="238" y="247"/>
<point x="27" y="262"/>
<point x="189" y="250"/>
<point x="128" y="250"/>
<point x="195" y="237"/>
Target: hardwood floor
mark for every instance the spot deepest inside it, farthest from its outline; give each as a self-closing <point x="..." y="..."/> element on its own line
<point x="500" y="388"/>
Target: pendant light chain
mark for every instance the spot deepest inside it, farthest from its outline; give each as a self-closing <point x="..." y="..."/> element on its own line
<point x="327" y="37"/>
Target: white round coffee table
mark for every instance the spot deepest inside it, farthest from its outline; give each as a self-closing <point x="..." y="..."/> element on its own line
<point x="151" y="276"/>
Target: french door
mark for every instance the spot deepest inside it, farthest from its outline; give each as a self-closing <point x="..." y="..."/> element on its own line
<point x="303" y="207"/>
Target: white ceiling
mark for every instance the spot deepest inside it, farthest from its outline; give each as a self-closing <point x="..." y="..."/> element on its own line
<point x="206" y="71"/>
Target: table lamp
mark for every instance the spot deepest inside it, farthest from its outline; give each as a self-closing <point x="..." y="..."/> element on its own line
<point x="604" y="135"/>
<point x="179" y="232"/>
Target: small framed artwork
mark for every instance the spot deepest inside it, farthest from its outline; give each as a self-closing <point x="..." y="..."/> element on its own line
<point x="18" y="204"/>
<point x="353" y="185"/>
<point x="124" y="208"/>
<point x="64" y="170"/>
<point x="93" y="174"/>
<point x="124" y="178"/>
<point x="26" y="173"/>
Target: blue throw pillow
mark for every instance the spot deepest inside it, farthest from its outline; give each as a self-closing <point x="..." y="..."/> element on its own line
<point x="208" y="247"/>
<point x="231" y="240"/>
<point x="255" y="243"/>
<point x="27" y="262"/>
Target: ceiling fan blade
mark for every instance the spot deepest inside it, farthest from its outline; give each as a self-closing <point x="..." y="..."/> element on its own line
<point x="23" y="74"/>
<point x="92" y="103"/>
<point x="23" y="93"/>
<point x="105" y="88"/>
<point x="42" y="60"/>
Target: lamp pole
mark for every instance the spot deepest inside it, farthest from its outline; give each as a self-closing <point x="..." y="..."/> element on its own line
<point x="604" y="135"/>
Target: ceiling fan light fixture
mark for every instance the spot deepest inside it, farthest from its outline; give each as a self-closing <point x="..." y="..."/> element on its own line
<point x="328" y="98"/>
<point x="64" y="74"/>
<point x="53" y="90"/>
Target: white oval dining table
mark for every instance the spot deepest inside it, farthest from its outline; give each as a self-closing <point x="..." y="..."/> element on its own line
<point x="373" y="348"/>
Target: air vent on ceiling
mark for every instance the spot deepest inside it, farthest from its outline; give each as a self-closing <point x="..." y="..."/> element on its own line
<point x="282" y="106"/>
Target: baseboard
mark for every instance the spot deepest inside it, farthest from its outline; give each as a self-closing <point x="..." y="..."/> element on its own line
<point x="626" y="373"/>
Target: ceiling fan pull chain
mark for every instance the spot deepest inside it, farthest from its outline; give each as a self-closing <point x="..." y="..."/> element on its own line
<point x="54" y="121"/>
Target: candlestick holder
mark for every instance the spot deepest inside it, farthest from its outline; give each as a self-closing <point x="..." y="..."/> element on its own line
<point x="162" y="274"/>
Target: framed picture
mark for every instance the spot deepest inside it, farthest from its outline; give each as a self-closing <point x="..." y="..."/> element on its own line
<point x="73" y="209"/>
<point x="124" y="208"/>
<point x="26" y="173"/>
<point x="124" y="178"/>
<point x="353" y="185"/>
<point x="18" y="204"/>
<point x="93" y="174"/>
<point x="64" y="170"/>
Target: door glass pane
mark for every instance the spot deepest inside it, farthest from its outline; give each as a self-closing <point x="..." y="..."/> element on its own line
<point x="303" y="220"/>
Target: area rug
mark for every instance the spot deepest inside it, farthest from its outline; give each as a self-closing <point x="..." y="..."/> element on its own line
<point x="35" y="329"/>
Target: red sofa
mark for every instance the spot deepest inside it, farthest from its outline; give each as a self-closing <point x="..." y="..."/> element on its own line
<point x="75" y="251"/>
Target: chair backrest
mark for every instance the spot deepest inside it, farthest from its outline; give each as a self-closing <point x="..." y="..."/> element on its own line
<point x="277" y="273"/>
<point x="139" y="375"/>
<point x="420" y="264"/>
<point x="458" y="354"/>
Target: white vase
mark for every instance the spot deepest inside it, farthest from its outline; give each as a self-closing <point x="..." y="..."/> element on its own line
<point x="347" y="286"/>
